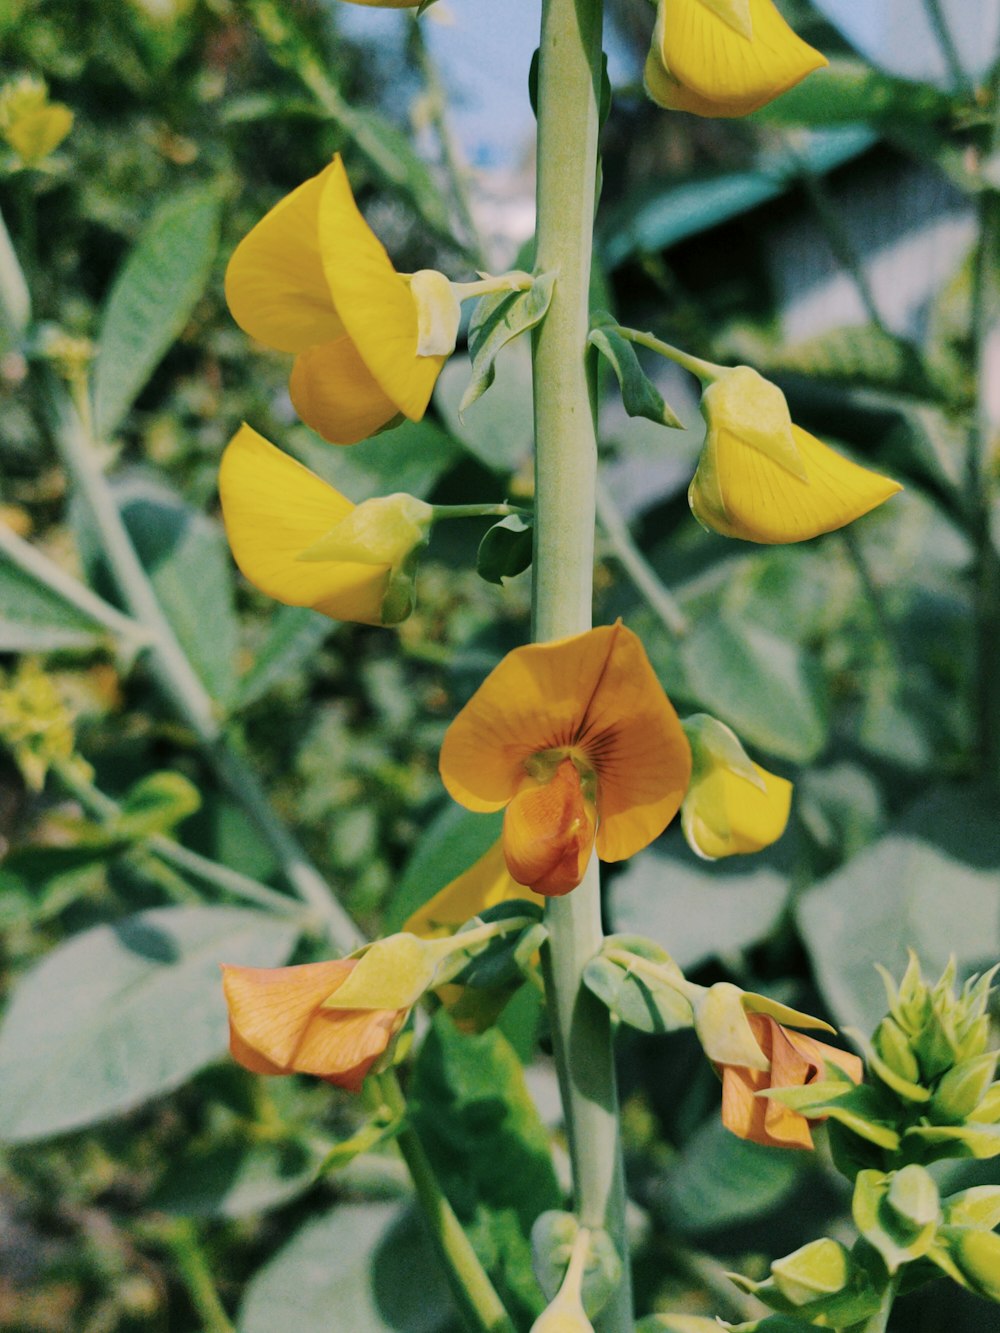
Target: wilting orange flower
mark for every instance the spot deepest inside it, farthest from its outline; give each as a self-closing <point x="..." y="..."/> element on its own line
<point x="277" y="1023"/>
<point x="570" y="736"/>
<point x="796" y="1061"/>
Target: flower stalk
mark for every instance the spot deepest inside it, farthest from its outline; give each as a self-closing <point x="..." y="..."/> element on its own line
<point x="569" y="73"/>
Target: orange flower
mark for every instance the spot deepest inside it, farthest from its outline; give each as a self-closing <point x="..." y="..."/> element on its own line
<point x="796" y="1061"/>
<point x="277" y="1023"/>
<point x="570" y="736"/>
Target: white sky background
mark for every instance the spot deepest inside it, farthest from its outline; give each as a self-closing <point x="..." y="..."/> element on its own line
<point x="484" y="47"/>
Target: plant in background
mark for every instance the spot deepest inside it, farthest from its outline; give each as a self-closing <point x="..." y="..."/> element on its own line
<point x="571" y="736"/>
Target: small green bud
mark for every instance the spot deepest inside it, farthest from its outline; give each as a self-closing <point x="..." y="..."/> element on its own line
<point x="988" y="1110"/>
<point x="913" y="1197"/>
<point x="891" y="1044"/>
<point x="963" y="1088"/>
<point x="817" y="1270"/>
<point x="977" y="1207"/>
<point x="977" y="1254"/>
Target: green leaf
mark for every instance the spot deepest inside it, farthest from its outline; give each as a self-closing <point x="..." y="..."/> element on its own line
<point x="363" y="1267"/>
<point x="506" y="549"/>
<point x="35" y="619"/>
<point x="152" y="300"/>
<point x="498" y="430"/>
<point x="849" y="91"/>
<point x="124" y="1013"/>
<point x="719" y="1180"/>
<point x="638" y="998"/>
<point x="698" y="911"/>
<point x="235" y="1179"/>
<point x="294" y="636"/>
<point x="758" y="683"/>
<point x="640" y="396"/>
<point x="496" y="321"/>
<point x="15" y="299"/>
<point x="858" y="354"/>
<point x="188" y="562"/>
<point x="452" y="842"/>
<point x="890" y="898"/>
<point x="156" y="804"/>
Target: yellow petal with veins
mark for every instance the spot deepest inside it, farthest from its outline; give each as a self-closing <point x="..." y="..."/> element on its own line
<point x="373" y="300"/>
<point x="740" y="492"/>
<point x="718" y="66"/>
<point x="274" y="508"/>
<point x="333" y="392"/>
<point x="486" y="883"/>
<point x="275" y="285"/>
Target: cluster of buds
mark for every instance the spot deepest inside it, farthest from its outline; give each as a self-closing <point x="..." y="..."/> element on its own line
<point x="36" y="726"/>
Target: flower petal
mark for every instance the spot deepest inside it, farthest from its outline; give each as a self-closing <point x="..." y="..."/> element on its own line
<point x="372" y="299"/>
<point x="725" y="814"/>
<point x="341" y="1045"/>
<point x="739" y="492"/>
<point x="274" y="508"/>
<point x="634" y="741"/>
<point x="534" y="700"/>
<point x="548" y="833"/>
<point x="708" y="57"/>
<point x="483" y="885"/>
<point x="275" y="285"/>
<point x="270" y="1007"/>
<point x="334" y="393"/>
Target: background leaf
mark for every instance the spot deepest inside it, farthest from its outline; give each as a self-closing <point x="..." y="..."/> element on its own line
<point x="123" y="1013"/>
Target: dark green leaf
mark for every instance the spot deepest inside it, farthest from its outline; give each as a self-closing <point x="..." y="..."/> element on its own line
<point x="124" y="1013"/>
<point x="35" y="619"/>
<point x="412" y="457"/>
<point x="505" y="550"/>
<point x="156" y="804"/>
<point x="850" y="91"/>
<point x="294" y="636"/>
<point x="452" y="842"/>
<point x="640" y="396"/>
<point x="235" y="1180"/>
<point x="152" y="300"/>
<point x="498" y="430"/>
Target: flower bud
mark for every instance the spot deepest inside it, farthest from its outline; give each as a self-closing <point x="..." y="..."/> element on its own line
<point x="977" y="1254"/>
<point x="29" y="123"/>
<point x="815" y="1271"/>
<point x="733" y="805"/>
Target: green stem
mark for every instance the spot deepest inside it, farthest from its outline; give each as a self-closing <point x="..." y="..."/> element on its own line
<point x="479" y="511"/>
<point x="707" y="371"/>
<point x="181" y="1239"/>
<point x="105" y="809"/>
<point x="569" y="78"/>
<point x="946" y="41"/>
<point x="636" y="566"/>
<point x="174" y="673"/>
<point x="481" y="1307"/>
<point x="984" y="471"/>
<point x="45" y="571"/>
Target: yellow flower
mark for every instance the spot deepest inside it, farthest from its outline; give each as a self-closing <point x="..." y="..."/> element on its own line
<point x="763" y="479"/>
<point x="313" y="279"/>
<point x="724" y="57"/>
<point x="732" y="805"/>
<point x="303" y="543"/>
<point x="30" y="124"/>
<point x="570" y="736"/>
<point x="279" y="1023"/>
<point x="485" y="884"/>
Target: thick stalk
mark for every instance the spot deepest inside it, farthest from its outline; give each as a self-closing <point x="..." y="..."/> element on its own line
<point x="565" y="481"/>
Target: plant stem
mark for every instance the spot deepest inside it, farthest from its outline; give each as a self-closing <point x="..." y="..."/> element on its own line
<point x="984" y="471"/>
<point x="946" y="41"/>
<point x="706" y="371"/>
<point x="481" y="1307"/>
<point x="569" y="73"/>
<point x="104" y="808"/>
<point x="479" y="511"/>
<point x="181" y="1239"/>
<point x="45" y="571"/>
<point x="174" y="673"/>
<point x="636" y="566"/>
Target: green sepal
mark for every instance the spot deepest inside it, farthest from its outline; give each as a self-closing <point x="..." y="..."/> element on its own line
<point x="155" y="805"/>
<point x="898" y="1239"/>
<point x="977" y="1207"/>
<point x="506" y="549"/>
<point x="390" y="974"/>
<point x="497" y="319"/>
<point x="640" y="396"/>
<point x="497" y="963"/>
<point x="891" y="1044"/>
<point x="641" y="1001"/>
<point x="860" y="1109"/>
<point x="817" y="1270"/>
<point x="904" y="1088"/>
<point x="969" y="1140"/>
<point x="977" y="1255"/>
<point x="988" y="1110"/>
<point x="856" y="1297"/>
<point x="552" y="1239"/>
<point x="963" y="1088"/>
